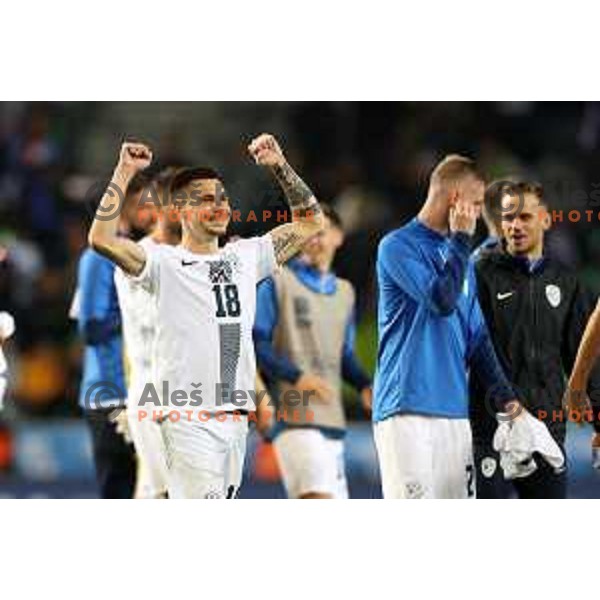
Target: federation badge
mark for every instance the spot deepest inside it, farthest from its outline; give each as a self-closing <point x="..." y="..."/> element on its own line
<point x="488" y="466"/>
<point x="220" y="271"/>
<point x="553" y="294"/>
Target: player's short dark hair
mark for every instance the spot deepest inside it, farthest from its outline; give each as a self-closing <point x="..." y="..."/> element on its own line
<point x="186" y="174"/>
<point x="531" y="187"/>
<point x="517" y="188"/>
<point x="332" y="215"/>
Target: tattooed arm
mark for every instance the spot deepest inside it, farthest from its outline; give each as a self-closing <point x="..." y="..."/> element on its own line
<point x="307" y="216"/>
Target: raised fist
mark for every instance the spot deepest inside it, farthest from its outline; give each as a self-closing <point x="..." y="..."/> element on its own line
<point x="134" y="158"/>
<point x="266" y="151"/>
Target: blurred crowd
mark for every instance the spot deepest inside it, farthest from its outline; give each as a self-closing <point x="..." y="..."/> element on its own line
<point x="371" y="160"/>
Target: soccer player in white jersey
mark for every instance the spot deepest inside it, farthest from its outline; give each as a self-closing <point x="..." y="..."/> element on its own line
<point x="139" y="328"/>
<point x="203" y="359"/>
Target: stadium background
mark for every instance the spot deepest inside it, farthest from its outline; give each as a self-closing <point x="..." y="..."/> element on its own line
<point x="370" y="160"/>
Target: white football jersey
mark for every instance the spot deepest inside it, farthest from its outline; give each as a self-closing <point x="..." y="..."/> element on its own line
<point x="204" y="307"/>
<point x="139" y="324"/>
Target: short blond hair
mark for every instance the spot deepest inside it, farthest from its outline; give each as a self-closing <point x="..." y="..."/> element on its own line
<point x="454" y="168"/>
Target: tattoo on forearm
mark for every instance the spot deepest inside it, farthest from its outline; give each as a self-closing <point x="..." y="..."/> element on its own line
<point x="311" y="210"/>
<point x="287" y="244"/>
<point x="299" y="195"/>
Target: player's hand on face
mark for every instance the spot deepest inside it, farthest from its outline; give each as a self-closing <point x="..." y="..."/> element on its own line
<point x="463" y="217"/>
<point x="134" y="158"/>
<point x="316" y="386"/>
<point x="366" y="397"/>
<point x="265" y="150"/>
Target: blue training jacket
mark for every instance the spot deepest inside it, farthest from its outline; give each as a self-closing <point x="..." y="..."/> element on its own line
<point x="429" y="322"/>
<point x="99" y="324"/>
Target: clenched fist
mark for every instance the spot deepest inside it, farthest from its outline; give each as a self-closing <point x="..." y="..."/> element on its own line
<point x="266" y="151"/>
<point x="133" y="158"/>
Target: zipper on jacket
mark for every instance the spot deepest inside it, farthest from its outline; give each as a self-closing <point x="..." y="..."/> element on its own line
<point x="534" y="319"/>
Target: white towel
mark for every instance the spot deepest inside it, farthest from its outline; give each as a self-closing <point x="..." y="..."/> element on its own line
<point x="518" y="439"/>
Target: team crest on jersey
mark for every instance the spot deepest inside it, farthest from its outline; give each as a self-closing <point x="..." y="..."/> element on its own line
<point x="554" y="295"/>
<point x="220" y="271"/>
<point x="488" y="466"/>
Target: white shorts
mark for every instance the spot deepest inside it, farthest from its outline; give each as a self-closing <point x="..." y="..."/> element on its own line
<point x="205" y="459"/>
<point x="149" y="448"/>
<point x="425" y="457"/>
<point x="311" y="462"/>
